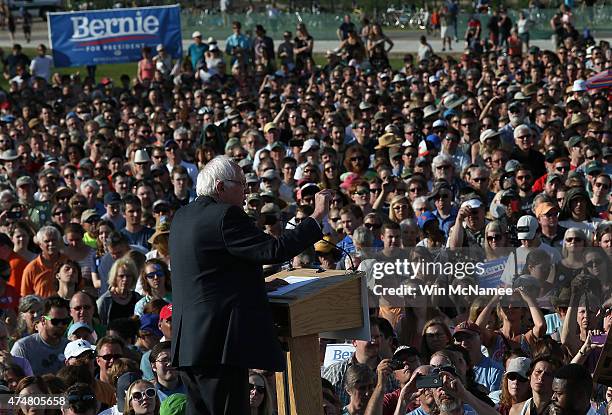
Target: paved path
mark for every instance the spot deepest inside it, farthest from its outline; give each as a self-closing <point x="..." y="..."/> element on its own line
<point x="407" y="43"/>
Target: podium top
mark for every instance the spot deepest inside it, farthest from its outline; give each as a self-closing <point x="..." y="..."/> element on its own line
<point x="333" y="301"/>
<point x="307" y="272"/>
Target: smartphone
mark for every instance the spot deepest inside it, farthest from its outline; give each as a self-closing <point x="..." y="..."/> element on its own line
<point x="429" y="381"/>
<point x="601" y="339"/>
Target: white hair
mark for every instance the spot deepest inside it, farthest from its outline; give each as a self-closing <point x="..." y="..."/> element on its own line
<point x="218" y="169"/>
<point x="420" y="201"/>
<point x="519" y="130"/>
<point x="180" y="132"/>
<point x="90" y="183"/>
<point x="441" y="159"/>
<point x="47" y="231"/>
<point x="408" y="223"/>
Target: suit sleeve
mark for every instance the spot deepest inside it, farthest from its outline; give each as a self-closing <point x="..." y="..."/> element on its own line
<point x="244" y="240"/>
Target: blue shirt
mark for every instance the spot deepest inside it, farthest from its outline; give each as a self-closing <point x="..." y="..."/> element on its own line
<point x="553" y="323"/>
<point x="196" y="53"/>
<point x="446" y="224"/>
<point x="235" y="41"/>
<point x="145" y="367"/>
<point x="163" y="393"/>
<point x="489" y="373"/>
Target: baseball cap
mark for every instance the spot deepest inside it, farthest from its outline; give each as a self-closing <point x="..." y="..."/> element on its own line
<point x="593" y="168"/>
<point x="405" y="350"/>
<point x="310" y="144"/>
<point x="439" y="124"/>
<point x="23" y="180"/>
<point x="519" y="365"/>
<point x="574" y="141"/>
<point x="170" y="143"/>
<point x="472" y="203"/>
<point x="77" y="326"/>
<point x="270" y="174"/>
<point x="112" y="198"/>
<point x="512" y="165"/>
<point x="166" y="312"/>
<point x="88" y="215"/>
<point x="527" y="227"/>
<point x="269" y="126"/>
<point x="552" y="177"/>
<point x="425" y="218"/>
<point x="123" y="383"/>
<point x="467" y="327"/>
<point x="76" y="347"/>
<point x="148" y="322"/>
<point x="196" y="34"/>
<point x="251" y="178"/>
<point x="543" y="208"/>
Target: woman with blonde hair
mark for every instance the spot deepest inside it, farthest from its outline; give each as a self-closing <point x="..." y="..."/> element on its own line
<point x="260" y="396"/>
<point x="400" y="209"/>
<point x="120" y="298"/>
<point x="572" y="262"/>
<point x="141" y="399"/>
<point x="496" y="240"/>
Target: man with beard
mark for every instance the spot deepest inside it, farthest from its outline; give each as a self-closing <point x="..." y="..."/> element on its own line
<point x="453" y="399"/>
<point x="540" y="382"/>
<point x="572" y="387"/>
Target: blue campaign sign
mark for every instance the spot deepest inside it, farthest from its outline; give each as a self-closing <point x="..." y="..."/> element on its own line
<point x="97" y="37"/>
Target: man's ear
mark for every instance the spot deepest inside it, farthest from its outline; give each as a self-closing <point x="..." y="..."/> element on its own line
<point x="219" y="187"/>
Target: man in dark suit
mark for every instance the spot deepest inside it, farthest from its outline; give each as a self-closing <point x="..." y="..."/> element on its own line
<point x="222" y="325"/>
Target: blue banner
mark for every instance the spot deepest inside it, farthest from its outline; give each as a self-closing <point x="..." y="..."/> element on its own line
<point x="492" y="273"/>
<point x="97" y="37"/>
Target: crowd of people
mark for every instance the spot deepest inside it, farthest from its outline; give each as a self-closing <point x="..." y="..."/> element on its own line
<point x="505" y="155"/>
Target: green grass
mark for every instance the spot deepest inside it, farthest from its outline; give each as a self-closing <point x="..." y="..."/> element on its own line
<point x="115" y="71"/>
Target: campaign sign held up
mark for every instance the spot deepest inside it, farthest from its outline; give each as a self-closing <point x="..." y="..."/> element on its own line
<point x="97" y="37"/>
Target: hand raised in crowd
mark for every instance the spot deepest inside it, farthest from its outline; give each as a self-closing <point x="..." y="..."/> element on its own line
<point x="322" y="201"/>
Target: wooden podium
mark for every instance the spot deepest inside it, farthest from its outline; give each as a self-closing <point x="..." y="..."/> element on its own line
<point x="332" y="302"/>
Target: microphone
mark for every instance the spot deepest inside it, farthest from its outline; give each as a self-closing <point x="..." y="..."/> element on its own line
<point x="344" y="251"/>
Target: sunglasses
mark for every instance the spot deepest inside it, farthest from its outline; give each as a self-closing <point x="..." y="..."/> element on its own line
<point x="154" y="274"/>
<point x="372" y="225"/>
<point x="515" y="376"/>
<point x="495" y="238"/>
<point x="59" y="321"/>
<point x="72" y="399"/>
<point x="110" y="356"/>
<point x="259" y="389"/>
<point x="594" y="263"/>
<point x="573" y="239"/>
<point x="147" y="393"/>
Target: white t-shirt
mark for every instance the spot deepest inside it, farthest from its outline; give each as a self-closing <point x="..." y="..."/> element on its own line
<point x="41" y="66"/>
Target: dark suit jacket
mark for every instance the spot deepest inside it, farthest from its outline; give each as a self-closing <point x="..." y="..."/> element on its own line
<point x="220" y="309"/>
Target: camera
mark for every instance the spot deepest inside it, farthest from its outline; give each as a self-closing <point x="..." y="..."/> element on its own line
<point x="396" y="364"/>
<point x="429" y="381"/>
